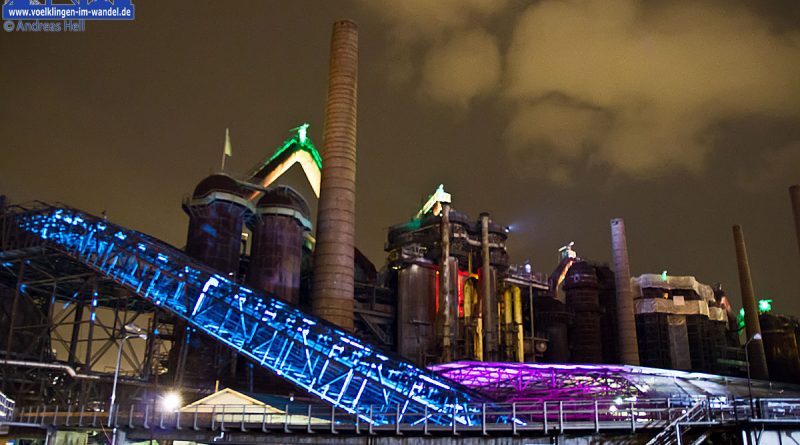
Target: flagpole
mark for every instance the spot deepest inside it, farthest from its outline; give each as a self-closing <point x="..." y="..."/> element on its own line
<point x="227" y="150"/>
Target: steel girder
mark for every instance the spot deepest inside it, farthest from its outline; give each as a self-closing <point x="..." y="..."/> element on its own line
<point x="311" y="353"/>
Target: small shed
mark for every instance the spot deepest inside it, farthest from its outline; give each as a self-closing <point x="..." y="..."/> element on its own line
<point x="231" y="406"/>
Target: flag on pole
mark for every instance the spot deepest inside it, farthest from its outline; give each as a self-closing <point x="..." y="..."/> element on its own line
<point x="228" y="151"/>
<point x="228" y="147"/>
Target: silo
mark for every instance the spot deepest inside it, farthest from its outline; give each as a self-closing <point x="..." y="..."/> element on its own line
<point x="552" y="320"/>
<point x="217" y="211"/>
<point x="583" y="302"/>
<point x="608" y="318"/>
<point x="279" y="228"/>
<point x="780" y="347"/>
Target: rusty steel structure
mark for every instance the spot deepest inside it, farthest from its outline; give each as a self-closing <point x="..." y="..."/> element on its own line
<point x="217" y="211"/>
<point x="445" y="316"/>
<point x="281" y="223"/>
<point x="583" y="300"/>
<point x="489" y="302"/>
<point x="333" y="259"/>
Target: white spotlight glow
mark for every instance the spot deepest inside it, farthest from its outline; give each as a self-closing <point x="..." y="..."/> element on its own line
<point x="171" y="401"/>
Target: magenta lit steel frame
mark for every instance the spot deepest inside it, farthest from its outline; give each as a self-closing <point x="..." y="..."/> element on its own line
<point x="520" y="382"/>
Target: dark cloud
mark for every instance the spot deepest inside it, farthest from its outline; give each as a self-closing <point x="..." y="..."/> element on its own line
<point x="475" y="59"/>
<point x="664" y="79"/>
<point x="650" y="80"/>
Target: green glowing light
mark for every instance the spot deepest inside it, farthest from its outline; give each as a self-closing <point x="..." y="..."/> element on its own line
<point x="301" y="133"/>
<point x="299" y="141"/>
<point x="664" y="276"/>
<point x="438" y="196"/>
<point x="764" y="306"/>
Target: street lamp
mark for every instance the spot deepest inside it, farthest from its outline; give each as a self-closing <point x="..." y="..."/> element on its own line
<point x="757" y="337"/>
<point x="130" y="331"/>
<point x="171" y="401"/>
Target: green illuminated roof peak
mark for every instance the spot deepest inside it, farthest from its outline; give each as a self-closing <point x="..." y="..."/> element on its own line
<point x="438" y="196"/>
<point x="299" y="140"/>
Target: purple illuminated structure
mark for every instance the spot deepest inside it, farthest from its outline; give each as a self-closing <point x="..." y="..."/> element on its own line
<point x="529" y="382"/>
<point x="522" y="382"/>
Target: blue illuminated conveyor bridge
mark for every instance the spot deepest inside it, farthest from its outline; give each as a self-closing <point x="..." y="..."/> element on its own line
<point x="311" y="353"/>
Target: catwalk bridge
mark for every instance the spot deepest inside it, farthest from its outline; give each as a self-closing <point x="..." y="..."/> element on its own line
<point x="665" y="420"/>
<point x="306" y="351"/>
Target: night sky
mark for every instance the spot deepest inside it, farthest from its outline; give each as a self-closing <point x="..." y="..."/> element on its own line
<point x="682" y="117"/>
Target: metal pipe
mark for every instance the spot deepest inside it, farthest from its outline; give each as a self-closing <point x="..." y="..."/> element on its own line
<point x="478" y="338"/>
<point x="628" y="345"/>
<point x="489" y="315"/>
<point x="150" y="345"/>
<point x="445" y="314"/>
<point x="333" y="258"/>
<point x="794" y="193"/>
<point x="475" y="332"/>
<point x="66" y="368"/>
<point x="114" y="388"/>
<point x="76" y="330"/>
<point x="749" y="376"/>
<point x="14" y="304"/>
<point x="532" y="322"/>
<point x="758" y="360"/>
<point x="87" y="363"/>
<point x="508" y="325"/>
<point x="516" y="294"/>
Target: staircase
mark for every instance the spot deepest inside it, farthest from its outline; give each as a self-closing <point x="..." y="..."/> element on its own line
<point x="674" y="432"/>
<point x="309" y="352"/>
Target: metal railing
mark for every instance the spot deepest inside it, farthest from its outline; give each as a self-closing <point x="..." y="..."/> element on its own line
<point x="549" y="417"/>
<point x="672" y="433"/>
<point x="546" y="417"/>
<point x="6" y="408"/>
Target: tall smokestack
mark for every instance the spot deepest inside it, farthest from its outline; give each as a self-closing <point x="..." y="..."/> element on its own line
<point x="333" y="257"/>
<point x="794" y="192"/>
<point x="628" y="346"/>
<point x="758" y="360"/>
<point x="490" y="343"/>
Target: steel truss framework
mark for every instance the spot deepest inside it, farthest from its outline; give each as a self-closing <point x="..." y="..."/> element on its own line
<point x="311" y="353"/>
<point x="523" y="382"/>
<point x="53" y="341"/>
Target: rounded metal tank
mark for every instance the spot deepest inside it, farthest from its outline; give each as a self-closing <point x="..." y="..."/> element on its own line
<point x="551" y="321"/>
<point x="780" y="345"/>
<point x="217" y="210"/>
<point x="583" y="302"/>
<point x="607" y="292"/>
<point x="279" y="228"/>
